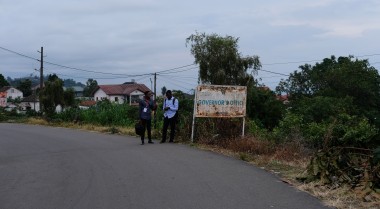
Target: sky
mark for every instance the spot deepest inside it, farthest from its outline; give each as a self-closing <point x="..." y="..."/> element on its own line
<point x="115" y="41"/>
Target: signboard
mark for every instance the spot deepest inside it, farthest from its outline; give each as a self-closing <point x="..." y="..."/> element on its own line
<point x="220" y="101"/>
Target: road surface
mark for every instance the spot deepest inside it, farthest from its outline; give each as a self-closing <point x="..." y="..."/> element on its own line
<point x="58" y="168"/>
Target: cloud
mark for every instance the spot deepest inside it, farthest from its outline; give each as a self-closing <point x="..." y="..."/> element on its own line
<point x="333" y="18"/>
<point x="144" y="36"/>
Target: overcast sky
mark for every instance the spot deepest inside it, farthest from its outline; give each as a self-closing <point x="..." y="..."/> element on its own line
<point x="120" y="38"/>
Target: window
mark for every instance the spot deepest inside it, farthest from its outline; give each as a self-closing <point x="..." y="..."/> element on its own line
<point x="116" y="99"/>
<point x="135" y="98"/>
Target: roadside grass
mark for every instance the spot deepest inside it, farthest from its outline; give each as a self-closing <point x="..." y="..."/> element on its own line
<point x="90" y="127"/>
<point x="288" y="161"/>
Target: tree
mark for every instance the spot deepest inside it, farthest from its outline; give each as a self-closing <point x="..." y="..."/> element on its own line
<point x="91" y="85"/>
<point x="26" y="87"/>
<point x="163" y="90"/>
<point x="263" y="107"/>
<point x="334" y="97"/>
<point x="52" y="94"/>
<point x="3" y="82"/>
<point x="71" y="83"/>
<point x="69" y="97"/>
<point x="220" y="62"/>
<point x="337" y="78"/>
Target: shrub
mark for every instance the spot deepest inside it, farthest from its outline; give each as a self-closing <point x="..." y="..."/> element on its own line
<point x="289" y="128"/>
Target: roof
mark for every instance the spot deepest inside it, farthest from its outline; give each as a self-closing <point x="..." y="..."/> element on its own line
<point x="5" y="88"/>
<point x="88" y="103"/>
<point x="31" y="98"/>
<point x="122" y="89"/>
<point x="282" y="97"/>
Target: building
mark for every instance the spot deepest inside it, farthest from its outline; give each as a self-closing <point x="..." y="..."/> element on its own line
<point x="31" y="103"/>
<point x="78" y="90"/>
<point x="130" y="92"/>
<point x="9" y="92"/>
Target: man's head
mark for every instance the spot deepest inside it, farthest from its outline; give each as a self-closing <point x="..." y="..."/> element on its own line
<point x="148" y="94"/>
<point x="168" y="94"/>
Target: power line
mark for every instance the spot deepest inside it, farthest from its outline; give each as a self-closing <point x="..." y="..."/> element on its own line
<point x="23" y="55"/>
<point x="177" y="81"/>
<point x="168" y="71"/>
<point x="171" y="81"/>
<point x="273" y="72"/>
<point x="72" y="68"/>
<point x="295" y="62"/>
<point x="175" y="68"/>
<point x="91" y="71"/>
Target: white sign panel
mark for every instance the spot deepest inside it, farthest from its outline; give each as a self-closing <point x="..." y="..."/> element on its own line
<point x="220" y="101"/>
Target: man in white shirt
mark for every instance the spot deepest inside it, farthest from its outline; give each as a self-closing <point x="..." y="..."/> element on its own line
<point x="170" y="108"/>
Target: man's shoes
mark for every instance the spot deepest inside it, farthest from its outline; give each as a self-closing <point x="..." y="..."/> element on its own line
<point x="171" y="141"/>
<point x="150" y="142"/>
<point x="162" y="142"/>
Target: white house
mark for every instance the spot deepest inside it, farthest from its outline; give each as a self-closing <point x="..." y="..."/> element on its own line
<point x="121" y="93"/>
<point x="9" y="92"/>
<point x="31" y="103"/>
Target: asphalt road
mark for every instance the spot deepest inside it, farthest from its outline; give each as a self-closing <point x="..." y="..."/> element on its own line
<point x="59" y="168"/>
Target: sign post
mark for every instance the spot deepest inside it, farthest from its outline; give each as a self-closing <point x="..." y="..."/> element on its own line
<point x="219" y="101"/>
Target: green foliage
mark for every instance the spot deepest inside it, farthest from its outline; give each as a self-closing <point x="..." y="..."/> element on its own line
<point x="263" y="106"/>
<point x="219" y="61"/>
<point x="254" y="129"/>
<point x="2" y="114"/>
<point x="354" y="131"/>
<point x="289" y="128"/>
<point x="376" y="154"/>
<point x="26" y="87"/>
<point x="316" y="134"/>
<point x="337" y="130"/>
<point x="91" y="85"/>
<point x="337" y="78"/>
<point x="163" y="91"/>
<point x="104" y="113"/>
<point x="69" y="97"/>
<point x="3" y="82"/>
<point x="71" y="83"/>
<point x="321" y="108"/>
<point x="52" y="94"/>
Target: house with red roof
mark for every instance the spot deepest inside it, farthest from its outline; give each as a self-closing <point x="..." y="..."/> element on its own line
<point x="9" y="92"/>
<point x="130" y="92"/>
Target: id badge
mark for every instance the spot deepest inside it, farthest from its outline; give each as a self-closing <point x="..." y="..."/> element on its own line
<point x="145" y="109"/>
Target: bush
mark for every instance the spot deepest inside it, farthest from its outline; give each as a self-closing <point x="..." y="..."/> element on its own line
<point x="289" y="129"/>
<point x="104" y="113"/>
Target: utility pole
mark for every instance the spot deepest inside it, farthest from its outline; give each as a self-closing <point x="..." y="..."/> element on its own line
<point x="155" y="81"/>
<point x="155" y="115"/>
<point x="42" y="69"/>
<point x="41" y="75"/>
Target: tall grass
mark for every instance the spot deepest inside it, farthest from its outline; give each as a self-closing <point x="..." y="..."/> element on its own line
<point x="104" y="113"/>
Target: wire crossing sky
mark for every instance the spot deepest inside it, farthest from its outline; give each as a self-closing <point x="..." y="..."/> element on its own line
<point x="119" y="40"/>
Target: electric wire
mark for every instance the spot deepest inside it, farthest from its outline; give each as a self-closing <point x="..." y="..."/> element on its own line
<point x="168" y="71"/>
<point x="171" y="78"/>
<point x="175" y="83"/>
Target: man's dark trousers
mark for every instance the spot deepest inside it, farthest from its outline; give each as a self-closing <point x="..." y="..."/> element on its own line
<point x="167" y="122"/>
